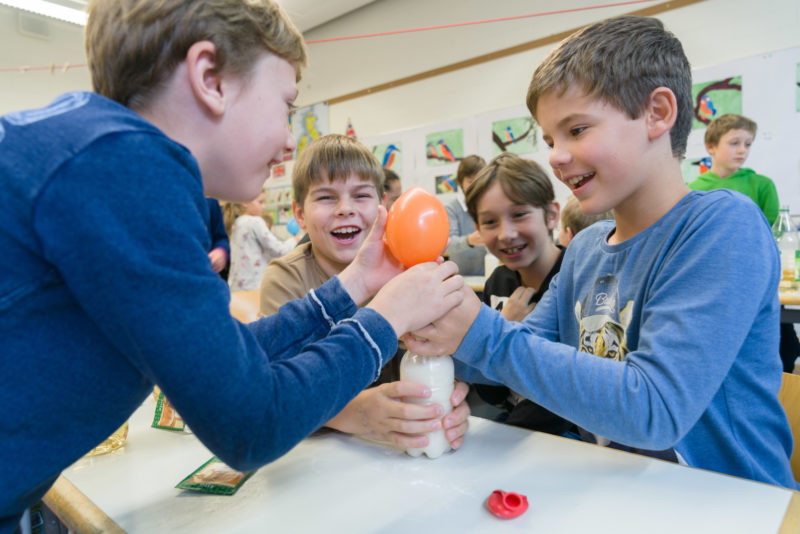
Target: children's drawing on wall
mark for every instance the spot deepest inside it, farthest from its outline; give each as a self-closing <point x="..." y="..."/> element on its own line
<point x="308" y="124"/>
<point x="712" y="99"/>
<point x="278" y="203"/>
<point x="516" y="135"/>
<point x="389" y="156"/>
<point x="797" y="88"/>
<point x="445" y="183"/>
<point x="691" y="168"/>
<point x="445" y="147"/>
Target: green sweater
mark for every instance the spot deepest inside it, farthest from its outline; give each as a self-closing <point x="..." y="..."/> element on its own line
<point x="759" y="188"/>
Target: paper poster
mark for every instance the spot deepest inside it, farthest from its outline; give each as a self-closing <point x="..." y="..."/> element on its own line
<point x="446" y="183"/>
<point x="389" y="155"/>
<point x="308" y="124"/>
<point x="712" y="99"/>
<point x="444" y="147"/>
<point x="517" y="135"/>
<point x="692" y="168"/>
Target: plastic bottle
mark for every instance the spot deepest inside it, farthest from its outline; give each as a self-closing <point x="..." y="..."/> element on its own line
<point x="789" y="244"/>
<point x="436" y="372"/>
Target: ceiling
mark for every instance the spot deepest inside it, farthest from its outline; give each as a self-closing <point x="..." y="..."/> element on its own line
<point x="306" y="14"/>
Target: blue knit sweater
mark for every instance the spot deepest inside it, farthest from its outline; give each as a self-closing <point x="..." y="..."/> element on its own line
<point x="107" y="289"/>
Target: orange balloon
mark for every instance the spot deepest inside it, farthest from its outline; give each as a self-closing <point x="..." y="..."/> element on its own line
<point x="417" y="227"/>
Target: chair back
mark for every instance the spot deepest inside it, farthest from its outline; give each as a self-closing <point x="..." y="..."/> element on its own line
<point x="245" y="305"/>
<point x="789" y="395"/>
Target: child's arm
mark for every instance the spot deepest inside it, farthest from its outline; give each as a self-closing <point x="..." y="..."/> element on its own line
<point x="381" y="414"/>
<point x="270" y="244"/>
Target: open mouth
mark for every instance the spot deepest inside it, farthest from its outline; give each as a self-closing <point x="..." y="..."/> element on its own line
<point x="578" y="181"/>
<point x="513" y="252"/>
<point x="346" y="234"/>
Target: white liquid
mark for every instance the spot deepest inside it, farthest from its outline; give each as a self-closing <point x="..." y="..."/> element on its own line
<point x="436" y="372"/>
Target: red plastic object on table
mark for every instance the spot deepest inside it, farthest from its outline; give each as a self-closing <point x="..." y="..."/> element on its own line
<point x="507" y="504"/>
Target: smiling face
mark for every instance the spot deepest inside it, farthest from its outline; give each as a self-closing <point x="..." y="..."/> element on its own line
<point x="337" y="216"/>
<point x="598" y="151"/>
<point x="518" y="234"/>
<point x="731" y="152"/>
<point x="253" y="130"/>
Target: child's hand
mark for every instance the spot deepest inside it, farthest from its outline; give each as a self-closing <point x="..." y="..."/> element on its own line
<point x="372" y="267"/>
<point x="444" y="335"/>
<point x="519" y="304"/>
<point x="380" y="414"/>
<point x="420" y="295"/>
<point x="218" y="257"/>
<point x="455" y="423"/>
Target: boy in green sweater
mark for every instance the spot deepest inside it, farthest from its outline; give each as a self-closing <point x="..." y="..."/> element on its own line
<point x="728" y="140"/>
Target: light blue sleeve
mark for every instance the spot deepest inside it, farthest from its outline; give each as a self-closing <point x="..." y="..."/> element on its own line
<point x="707" y="299"/>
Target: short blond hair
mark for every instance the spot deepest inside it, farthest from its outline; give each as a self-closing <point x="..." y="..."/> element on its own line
<point x="334" y="157"/>
<point x="724" y="124"/>
<point x="573" y="218"/>
<point x="134" y="46"/>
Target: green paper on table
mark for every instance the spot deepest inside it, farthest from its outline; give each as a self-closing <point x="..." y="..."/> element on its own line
<point x="165" y="417"/>
<point x="214" y="477"/>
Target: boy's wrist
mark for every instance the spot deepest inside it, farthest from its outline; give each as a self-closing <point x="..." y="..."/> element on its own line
<point x="354" y="284"/>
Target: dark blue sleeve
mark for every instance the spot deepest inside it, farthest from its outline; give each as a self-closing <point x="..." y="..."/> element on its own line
<point x="248" y="396"/>
<point x="216" y="226"/>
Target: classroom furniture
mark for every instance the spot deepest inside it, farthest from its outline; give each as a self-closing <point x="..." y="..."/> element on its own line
<point x="333" y="482"/>
<point x="789" y="395"/>
<point x="245" y="305"/>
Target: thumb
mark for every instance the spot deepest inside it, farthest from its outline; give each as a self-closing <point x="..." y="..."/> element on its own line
<point x="378" y="227"/>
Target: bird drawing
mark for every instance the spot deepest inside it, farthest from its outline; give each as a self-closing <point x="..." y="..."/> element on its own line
<point x="389" y="155"/>
<point x="446" y="152"/>
<point x="707" y="108"/>
<point x="510" y="135"/>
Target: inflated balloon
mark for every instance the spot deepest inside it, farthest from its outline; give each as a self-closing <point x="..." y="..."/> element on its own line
<point x="417" y="227"/>
<point x="292" y="227"/>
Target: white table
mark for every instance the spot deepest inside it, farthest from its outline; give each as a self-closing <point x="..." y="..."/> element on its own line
<point x="337" y="483"/>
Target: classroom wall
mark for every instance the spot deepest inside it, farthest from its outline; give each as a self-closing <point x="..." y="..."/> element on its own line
<point x="720" y="37"/>
<point x="716" y="34"/>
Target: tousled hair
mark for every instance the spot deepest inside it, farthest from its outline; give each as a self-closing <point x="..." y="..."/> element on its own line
<point x="134" y="46"/>
<point x="621" y="61"/>
<point x="523" y="181"/>
<point x="469" y="166"/>
<point x="724" y="124"/>
<point x="334" y="157"/>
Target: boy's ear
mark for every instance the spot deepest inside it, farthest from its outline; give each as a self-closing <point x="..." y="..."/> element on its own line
<point x="552" y="215"/>
<point x="661" y="112"/>
<point x="299" y="216"/>
<point x="204" y="76"/>
<point x="710" y="148"/>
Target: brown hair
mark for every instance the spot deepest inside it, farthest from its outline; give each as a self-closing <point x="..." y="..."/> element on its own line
<point x="134" y="46"/>
<point x="469" y="166"/>
<point x="573" y="218"/>
<point x="522" y="180"/>
<point x="621" y="60"/>
<point x="725" y="123"/>
<point x="334" y="157"/>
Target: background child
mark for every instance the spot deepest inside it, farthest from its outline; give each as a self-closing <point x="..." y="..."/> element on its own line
<point x="620" y="342"/>
<point x="573" y="220"/>
<point x="465" y="246"/>
<point x="513" y="205"/>
<point x="392" y="188"/>
<point x="728" y="139"/>
<point x="253" y="245"/>
<point x="95" y="309"/>
<point x="336" y="181"/>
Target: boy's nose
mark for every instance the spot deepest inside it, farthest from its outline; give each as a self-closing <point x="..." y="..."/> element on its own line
<point x="507" y="231"/>
<point x="558" y="158"/>
<point x="345" y="206"/>
<point x="291" y="142"/>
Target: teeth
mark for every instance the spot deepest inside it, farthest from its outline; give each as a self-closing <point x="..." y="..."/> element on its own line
<point x="512" y="250"/>
<point x="575" y="179"/>
<point x="351" y="230"/>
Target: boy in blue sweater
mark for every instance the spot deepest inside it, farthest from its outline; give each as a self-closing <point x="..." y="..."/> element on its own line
<point x="96" y="307"/>
<point x="620" y="342"/>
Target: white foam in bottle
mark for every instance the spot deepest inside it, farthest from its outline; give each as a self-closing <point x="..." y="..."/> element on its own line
<point x="436" y="372"/>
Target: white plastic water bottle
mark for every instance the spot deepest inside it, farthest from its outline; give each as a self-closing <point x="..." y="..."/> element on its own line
<point x="789" y="244"/>
<point x="437" y="373"/>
